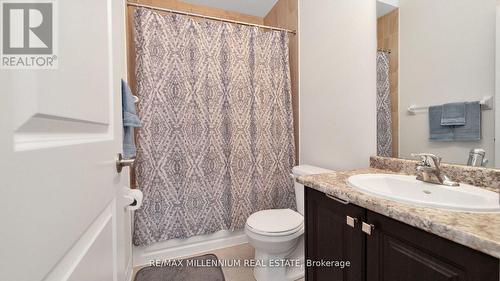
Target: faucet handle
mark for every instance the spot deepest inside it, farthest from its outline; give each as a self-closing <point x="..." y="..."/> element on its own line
<point x="424" y="160"/>
<point x="426" y="156"/>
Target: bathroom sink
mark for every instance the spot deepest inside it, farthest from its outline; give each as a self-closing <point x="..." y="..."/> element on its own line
<point x="408" y="189"/>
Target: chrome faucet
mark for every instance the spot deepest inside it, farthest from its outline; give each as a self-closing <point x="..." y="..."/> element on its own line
<point x="432" y="173"/>
<point x="476" y="158"/>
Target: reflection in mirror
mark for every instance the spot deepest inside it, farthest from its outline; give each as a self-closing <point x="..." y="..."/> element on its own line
<point x="436" y="79"/>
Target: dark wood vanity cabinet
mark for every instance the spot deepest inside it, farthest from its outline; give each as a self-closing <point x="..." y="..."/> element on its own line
<point x="394" y="251"/>
<point x="329" y="238"/>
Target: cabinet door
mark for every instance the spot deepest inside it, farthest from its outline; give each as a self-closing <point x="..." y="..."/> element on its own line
<point x="330" y="238"/>
<point x="399" y="252"/>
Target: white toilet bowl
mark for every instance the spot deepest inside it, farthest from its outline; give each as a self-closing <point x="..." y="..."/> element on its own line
<point x="274" y="234"/>
<point x="277" y="236"/>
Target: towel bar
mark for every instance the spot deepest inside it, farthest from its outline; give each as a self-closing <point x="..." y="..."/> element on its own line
<point x="486" y="104"/>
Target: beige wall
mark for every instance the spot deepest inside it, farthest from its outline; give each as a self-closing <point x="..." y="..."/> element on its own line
<point x="447" y="54"/>
<point x="337" y="66"/>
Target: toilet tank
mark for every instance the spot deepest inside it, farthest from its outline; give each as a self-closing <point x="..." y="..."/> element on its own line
<point x="304" y="170"/>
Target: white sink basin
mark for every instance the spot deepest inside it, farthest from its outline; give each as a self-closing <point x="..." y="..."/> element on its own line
<point x="409" y="190"/>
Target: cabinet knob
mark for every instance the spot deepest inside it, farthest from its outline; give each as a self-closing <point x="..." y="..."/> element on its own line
<point x="350" y="221"/>
<point x="367" y="228"/>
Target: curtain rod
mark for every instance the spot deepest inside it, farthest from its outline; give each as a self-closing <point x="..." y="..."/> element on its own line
<point x="208" y="17"/>
<point x="384" y="50"/>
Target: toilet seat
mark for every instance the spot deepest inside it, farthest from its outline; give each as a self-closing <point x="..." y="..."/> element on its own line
<point x="275" y="222"/>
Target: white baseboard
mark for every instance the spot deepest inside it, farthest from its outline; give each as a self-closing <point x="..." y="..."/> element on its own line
<point x="177" y="248"/>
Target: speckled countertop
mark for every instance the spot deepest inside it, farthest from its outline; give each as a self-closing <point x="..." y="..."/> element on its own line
<point x="480" y="231"/>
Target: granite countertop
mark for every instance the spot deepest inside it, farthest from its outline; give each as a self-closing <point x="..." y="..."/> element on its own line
<point x="479" y="231"/>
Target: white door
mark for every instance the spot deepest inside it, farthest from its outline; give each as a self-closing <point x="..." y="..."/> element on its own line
<point x="61" y="213"/>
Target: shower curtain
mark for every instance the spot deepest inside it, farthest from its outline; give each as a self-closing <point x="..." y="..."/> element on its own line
<point x="384" y="118"/>
<point x="217" y="138"/>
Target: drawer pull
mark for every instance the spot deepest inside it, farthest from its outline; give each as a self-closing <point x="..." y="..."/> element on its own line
<point x="343" y="201"/>
<point x="367" y="228"/>
<point x="351" y="221"/>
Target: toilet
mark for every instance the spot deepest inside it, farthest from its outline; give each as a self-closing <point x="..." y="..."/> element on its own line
<point x="277" y="235"/>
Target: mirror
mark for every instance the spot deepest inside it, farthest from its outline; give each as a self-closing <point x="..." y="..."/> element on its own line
<point x="436" y="79"/>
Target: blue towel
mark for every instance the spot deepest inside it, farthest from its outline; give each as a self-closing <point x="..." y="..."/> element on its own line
<point x="471" y="131"/>
<point x="130" y="121"/>
<point x="453" y="114"/>
<point x="437" y="132"/>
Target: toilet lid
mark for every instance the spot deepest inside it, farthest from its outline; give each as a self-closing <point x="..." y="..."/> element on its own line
<point x="275" y="221"/>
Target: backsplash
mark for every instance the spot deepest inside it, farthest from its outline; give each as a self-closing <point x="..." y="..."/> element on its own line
<point x="483" y="177"/>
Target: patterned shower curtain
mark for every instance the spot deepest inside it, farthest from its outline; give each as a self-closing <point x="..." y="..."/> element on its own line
<point x="217" y="138"/>
<point x="384" y="118"/>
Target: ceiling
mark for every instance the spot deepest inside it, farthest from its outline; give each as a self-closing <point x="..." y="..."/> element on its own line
<point x="258" y="8"/>
<point x="385" y="7"/>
